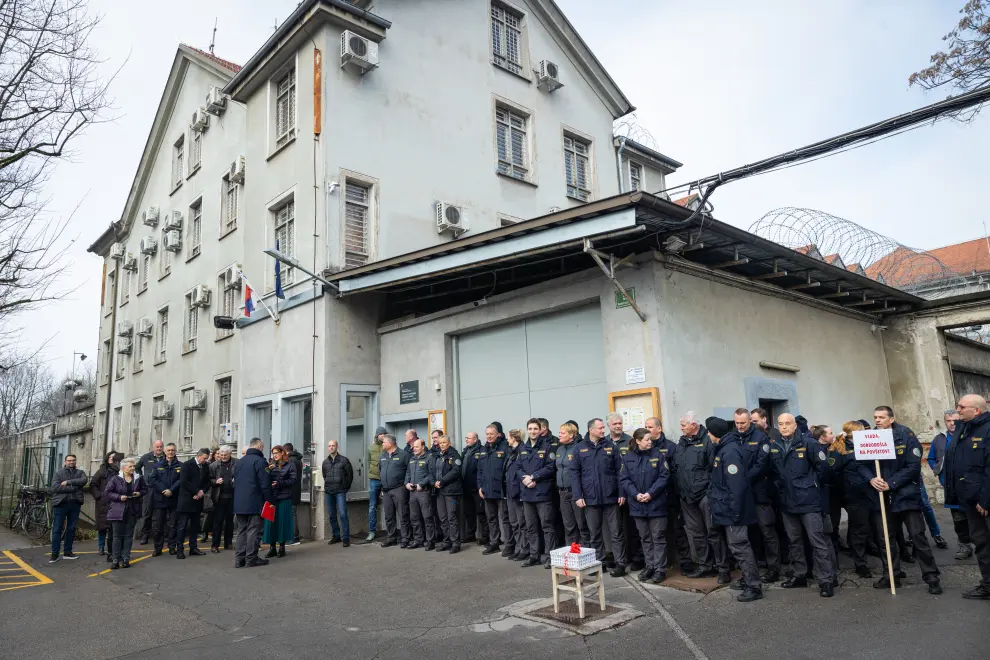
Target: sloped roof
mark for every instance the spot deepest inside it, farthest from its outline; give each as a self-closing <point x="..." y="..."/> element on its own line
<point x="964" y="258"/>
<point x="685" y="201"/>
<point x="227" y="64"/>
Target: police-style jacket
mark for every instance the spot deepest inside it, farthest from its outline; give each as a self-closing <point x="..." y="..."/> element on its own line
<point x="691" y="465"/>
<point x="447" y="470"/>
<point x="419" y="471"/>
<point x="902" y="474"/>
<point x="645" y="471"/>
<point x="856" y="488"/>
<point x="564" y="453"/>
<point x="392" y="469"/>
<point x="595" y="471"/>
<point x="624" y="444"/>
<point x="752" y="442"/>
<point x="469" y="468"/>
<point x="537" y="460"/>
<point x="730" y="491"/>
<point x="513" y="477"/>
<point x="165" y="476"/>
<point x="667" y="448"/>
<point x="491" y="468"/>
<point x="797" y="467"/>
<point x="967" y="464"/>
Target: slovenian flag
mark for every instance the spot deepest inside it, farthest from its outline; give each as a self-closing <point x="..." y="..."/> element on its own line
<point x="248" y="299"/>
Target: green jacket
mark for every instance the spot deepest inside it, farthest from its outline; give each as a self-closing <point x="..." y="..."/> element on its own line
<point x="374" y="453"/>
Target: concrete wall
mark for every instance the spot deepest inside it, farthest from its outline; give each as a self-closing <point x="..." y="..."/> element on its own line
<point x="970" y="364"/>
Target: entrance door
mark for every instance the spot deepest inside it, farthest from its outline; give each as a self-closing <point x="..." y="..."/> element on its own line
<point x="360" y="420"/>
<point x="259" y="425"/>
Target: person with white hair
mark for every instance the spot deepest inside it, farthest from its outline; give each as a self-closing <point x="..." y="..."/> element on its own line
<point x="222" y="484"/>
<point x="967" y="482"/>
<point x="692" y="468"/>
<point x="126" y="492"/>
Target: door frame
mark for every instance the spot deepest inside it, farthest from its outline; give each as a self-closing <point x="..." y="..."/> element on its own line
<point x="372" y="414"/>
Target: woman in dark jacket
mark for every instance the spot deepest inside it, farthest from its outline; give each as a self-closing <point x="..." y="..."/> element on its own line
<point x="517" y="547"/>
<point x="283" y="476"/>
<point x="207" y="526"/>
<point x="124" y="493"/>
<point x="107" y="470"/>
<point x="644" y="485"/>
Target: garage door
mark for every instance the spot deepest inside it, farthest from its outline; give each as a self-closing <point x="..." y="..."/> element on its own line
<point x="549" y="366"/>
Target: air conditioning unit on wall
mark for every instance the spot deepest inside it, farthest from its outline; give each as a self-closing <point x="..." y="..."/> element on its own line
<point x="450" y="219"/>
<point x="145" y="327"/>
<point x="172" y="241"/>
<point x="124" y="345"/>
<point x="195" y="400"/>
<point x="200" y="120"/>
<point x="216" y="102"/>
<point x="162" y="410"/>
<point x="150" y="216"/>
<point x="200" y="296"/>
<point x="548" y="76"/>
<point x="236" y="173"/>
<point x="148" y="245"/>
<point x="358" y="52"/>
<point x="173" y="220"/>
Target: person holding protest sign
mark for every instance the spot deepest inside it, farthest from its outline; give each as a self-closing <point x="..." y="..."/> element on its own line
<point x="860" y="502"/>
<point x="967" y="481"/>
<point x="900" y="481"/>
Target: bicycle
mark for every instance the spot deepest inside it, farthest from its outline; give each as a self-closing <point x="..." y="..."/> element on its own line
<point x="25" y="497"/>
<point x="38" y="519"/>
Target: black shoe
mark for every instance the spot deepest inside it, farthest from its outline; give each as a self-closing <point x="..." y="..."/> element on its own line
<point x="547" y="564"/>
<point x="529" y="562"/>
<point x="271" y="553"/>
<point x="239" y="563"/>
<point x="69" y="555"/>
<point x="884" y="582"/>
<point x="795" y="583"/>
<point x="414" y="546"/>
<point x="770" y="576"/>
<point x="749" y="595"/>
<point x="738" y="585"/>
<point x="874" y="552"/>
<point x="430" y="547"/>
<point x="900" y="575"/>
<point x="935" y="588"/>
<point x="126" y="564"/>
<point x="156" y="553"/>
<point x="171" y="551"/>
<point x="482" y="541"/>
<point x="53" y="557"/>
<point x="645" y="574"/>
<point x="864" y="572"/>
<point x="257" y="562"/>
<point x="114" y="566"/>
<point x="907" y="557"/>
<point x="388" y="544"/>
<point x="618" y="571"/>
<point x="687" y="568"/>
<point x="979" y="592"/>
<point x="490" y="550"/>
<point x="346" y="544"/>
<point x="827" y="590"/>
<point x="196" y="552"/>
<point x="637" y="565"/>
<point x="281" y="551"/>
<point x="101" y="552"/>
<point x="724" y="577"/>
<point x="180" y="555"/>
<point x="508" y="551"/>
<point x="519" y="556"/>
<point x="215" y="550"/>
<point x="335" y="539"/>
<point x="443" y="547"/>
<point x="658" y="577"/>
<point x="109" y="558"/>
<point x="940" y="543"/>
<point x="699" y="573"/>
<point x="143" y="541"/>
<point x="454" y="549"/>
<point x="204" y="538"/>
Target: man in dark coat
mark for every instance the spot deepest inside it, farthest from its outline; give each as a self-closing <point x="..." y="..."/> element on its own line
<point x="297" y="462"/>
<point x="222" y="483"/>
<point x="252" y="488"/>
<point x="164" y="483"/>
<point x="144" y="468"/>
<point x="194" y="481"/>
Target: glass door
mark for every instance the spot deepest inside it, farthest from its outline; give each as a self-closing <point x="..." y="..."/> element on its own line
<point x="359" y="423"/>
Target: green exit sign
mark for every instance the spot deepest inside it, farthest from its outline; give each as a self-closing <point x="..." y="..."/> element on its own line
<point x="621" y="301"/>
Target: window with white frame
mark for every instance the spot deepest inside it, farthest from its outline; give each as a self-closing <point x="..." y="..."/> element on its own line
<point x="285" y="237"/>
<point x="178" y="158"/>
<point x="138" y="349"/>
<point x="145" y="267"/>
<point x="186" y="431"/>
<point x="157" y="425"/>
<point x="118" y="420"/>
<point x="512" y="142"/>
<point x="191" y="329"/>
<point x="285" y="108"/>
<point x="196" y="156"/>
<point x="357" y="223"/>
<point x="106" y="363"/>
<point x="110" y="292"/>
<point x="223" y="400"/>
<point x="228" y="206"/>
<point x="228" y="302"/>
<point x="635" y="176"/>
<point x="100" y="431"/>
<point x="195" y="227"/>
<point x="577" y="165"/>
<point x="507" y="38"/>
<point x="125" y="293"/>
<point x="135" y="428"/>
<point x="164" y="258"/>
<point x="162" y="335"/>
<point x="121" y="362"/>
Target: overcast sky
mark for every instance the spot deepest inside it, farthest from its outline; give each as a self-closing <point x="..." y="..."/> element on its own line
<point x="718" y="84"/>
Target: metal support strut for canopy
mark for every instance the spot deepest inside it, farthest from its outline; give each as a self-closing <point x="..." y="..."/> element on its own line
<point x="609" y="271"/>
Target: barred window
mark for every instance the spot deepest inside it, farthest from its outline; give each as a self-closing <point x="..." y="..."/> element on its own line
<point x="635" y="176"/>
<point x="512" y="142"/>
<point x="178" y="154"/>
<point x="578" y="168"/>
<point x="285" y="233"/>
<point x="285" y="108"/>
<point x="507" y="38"/>
<point x="357" y="219"/>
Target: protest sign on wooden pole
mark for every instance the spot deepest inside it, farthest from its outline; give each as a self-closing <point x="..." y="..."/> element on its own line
<point x="878" y="445"/>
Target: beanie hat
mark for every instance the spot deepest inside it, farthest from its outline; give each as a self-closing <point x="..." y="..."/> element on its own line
<point x="717" y="426"/>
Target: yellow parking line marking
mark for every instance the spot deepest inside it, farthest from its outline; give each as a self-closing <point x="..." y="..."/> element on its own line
<point x="23" y="586"/>
<point x="133" y="561"/>
<point x="10" y="569"/>
<point x="43" y="579"/>
<point x="40" y="578"/>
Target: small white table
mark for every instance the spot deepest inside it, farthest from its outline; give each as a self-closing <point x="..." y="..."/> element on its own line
<point x="574" y="581"/>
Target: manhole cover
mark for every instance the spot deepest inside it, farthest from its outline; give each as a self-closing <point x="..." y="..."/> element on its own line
<point x="569" y="612"/>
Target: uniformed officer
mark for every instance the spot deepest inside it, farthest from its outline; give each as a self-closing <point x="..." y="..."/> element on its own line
<point x="145" y="468"/>
<point x="575" y="527"/>
<point x="623" y="441"/>
<point x="434" y="452"/>
<point x="798" y="467"/>
<point x="900" y="481"/>
<point x="392" y="465"/>
<point x="691" y="465"/>
<point x="447" y="485"/>
<point x="967" y="481"/>
<point x="419" y="483"/>
<point x="595" y="469"/>
<point x="858" y="502"/>
<point x="517" y="545"/>
<point x="676" y="534"/>
<point x="475" y="521"/>
<point x="733" y="502"/>
<point x="165" y="489"/>
<point x="536" y="466"/>
<point x="831" y="488"/>
<point x="752" y="439"/>
<point x="644" y="483"/>
<point x="491" y="485"/>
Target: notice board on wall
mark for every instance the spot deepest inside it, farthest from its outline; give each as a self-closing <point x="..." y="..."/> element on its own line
<point x="635" y="406"/>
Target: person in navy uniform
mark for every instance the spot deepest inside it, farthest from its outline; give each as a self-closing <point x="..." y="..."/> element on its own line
<point x="644" y="477"/>
<point x="733" y="503"/>
<point x="164" y="484"/>
<point x="536" y="467"/>
<point x="475" y="522"/>
<point x="967" y="481"/>
<point x="392" y="464"/>
<point x="900" y="483"/>
<point x="798" y="467"/>
<point x="491" y="485"/>
<point x="596" y="466"/>
<point x="447" y="485"/>
<point x="517" y="544"/>
<point x="676" y="534"/>
<point x="419" y="483"/>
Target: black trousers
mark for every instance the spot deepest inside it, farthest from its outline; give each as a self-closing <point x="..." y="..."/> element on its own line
<point x="917" y="529"/>
<point x="539" y="516"/>
<point x="395" y="510"/>
<point x="473" y="509"/>
<point x="737" y="540"/>
<point x="630" y="532"/>
<point x="223" y="519"/>
<point x="676" y="535"/>
<point x="598" y="517"/>
<point x="979" y="532"/>
<point x="421" y="516"/>
<point x="861" y="532"/>
<point x="960" y="523"/>
<point x="188" y="526"/>
<point x="497" y="513"/>
<point x="143" y="526"/>
<point x="518" y="541"/>
<point x="163" y="528"/>
<point x="575" y="526"/>
<point x="450" y="528"/>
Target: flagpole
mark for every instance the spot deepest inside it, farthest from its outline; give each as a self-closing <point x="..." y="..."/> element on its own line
<point x="260" y="299"/>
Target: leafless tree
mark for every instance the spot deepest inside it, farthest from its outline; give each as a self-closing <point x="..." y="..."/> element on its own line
<point x="24" y="388"/>
<point x="964" y="65"/>
<point x="50" y="91"/>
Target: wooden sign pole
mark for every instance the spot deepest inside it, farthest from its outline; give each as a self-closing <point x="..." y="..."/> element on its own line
<point x="886" y="536"/>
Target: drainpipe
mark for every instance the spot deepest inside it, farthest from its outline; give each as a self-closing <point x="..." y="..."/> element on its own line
<point x="113" y="343"/>
<point x="618" y="164"/>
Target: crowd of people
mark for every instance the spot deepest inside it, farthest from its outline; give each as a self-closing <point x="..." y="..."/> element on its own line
<point x="723" y="494"/>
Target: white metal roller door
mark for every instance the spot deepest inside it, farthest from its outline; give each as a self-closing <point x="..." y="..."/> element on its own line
<point x="548" y="366"/>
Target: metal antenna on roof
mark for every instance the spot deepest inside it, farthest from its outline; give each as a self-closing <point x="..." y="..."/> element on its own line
<point x="986" y="237"/>
<point x="275" y="25"/>
<point x="213" y="39"/>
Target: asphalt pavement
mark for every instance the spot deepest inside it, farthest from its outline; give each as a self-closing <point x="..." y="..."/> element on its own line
<point x="369" y="602"/>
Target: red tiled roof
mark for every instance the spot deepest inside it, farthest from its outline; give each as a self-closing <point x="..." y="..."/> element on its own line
<point x="964" y="258"/>
<point x="832" y="258"/>
<point x="805" y="249"/>
<point x="230" y="66"/>
<point x="856" y="268"/>
<point x="685" y="201"/>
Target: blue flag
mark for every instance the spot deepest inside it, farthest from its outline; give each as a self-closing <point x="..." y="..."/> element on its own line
<point x="279" y="293"/>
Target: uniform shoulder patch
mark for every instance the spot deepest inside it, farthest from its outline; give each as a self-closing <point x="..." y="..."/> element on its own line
<point x="733" y="468"/>
<point x="553" y="456"/>
<point x="765" y="448"/>
<point x="457" y="461"/>
<point x="821" y="456"/>
<point x="916" y="452"/>
<point x="831" y="461"/>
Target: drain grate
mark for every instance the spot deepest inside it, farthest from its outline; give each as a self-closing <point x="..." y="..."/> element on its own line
<point x="569" y="612"/>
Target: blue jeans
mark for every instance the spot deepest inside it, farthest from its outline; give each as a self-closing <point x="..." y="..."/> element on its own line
<point x="337" y="503"/>
<point x="926" y="507"/>
<point x="65" y="514"/>
<point x="374" y="488"/>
